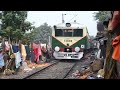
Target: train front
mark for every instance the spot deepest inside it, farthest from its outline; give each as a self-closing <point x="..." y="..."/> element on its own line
<point x="68" y="41"/>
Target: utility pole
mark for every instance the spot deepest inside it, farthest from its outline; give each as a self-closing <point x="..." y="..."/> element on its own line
<point x="63" y="18"/>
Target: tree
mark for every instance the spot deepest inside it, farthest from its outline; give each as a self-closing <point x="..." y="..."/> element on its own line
<point x="15" y="19"/>
<point x="14" y="24"/>
<point x="29" y="37"/>
<point x="27" y="26"/>
<point x="41" y="33"/>
<point x="101" y="15"/>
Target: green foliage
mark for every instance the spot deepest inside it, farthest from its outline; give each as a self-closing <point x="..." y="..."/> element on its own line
<point x="41" y="33"/>
<point x="26" y="38"/>
<point x="29" y="37"/>
<point x="14" y="19"/>
<point x="6" y="32"/>
<point x="27" y="26"/>
<point x="14" y="24"/>
<point x="18" y="34"/>
<point x="101" y="15"/>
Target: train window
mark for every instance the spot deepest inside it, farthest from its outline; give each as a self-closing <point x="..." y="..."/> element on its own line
<point x="58" y="32"/>
<point x="68" y="32"/>
<point x="78" y="32"/>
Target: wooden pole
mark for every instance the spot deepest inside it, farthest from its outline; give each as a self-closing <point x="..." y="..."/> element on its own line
<point x="110" y="64"/>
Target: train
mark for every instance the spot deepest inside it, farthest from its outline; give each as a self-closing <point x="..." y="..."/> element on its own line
<point x="69" y="40"/>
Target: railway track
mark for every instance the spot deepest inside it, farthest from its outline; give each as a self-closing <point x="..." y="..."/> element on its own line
<point x="61" y="69"/>
<point x="69" y="71"/>
<point x="40" y="70"/>
<point x="58" y="70"/>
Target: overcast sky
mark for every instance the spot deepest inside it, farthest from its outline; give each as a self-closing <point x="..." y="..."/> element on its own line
<point x="55" y="17"/>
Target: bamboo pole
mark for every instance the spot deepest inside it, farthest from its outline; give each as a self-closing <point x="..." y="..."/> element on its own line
<point x="110" y="64"/>
<point x="108" y="49"/>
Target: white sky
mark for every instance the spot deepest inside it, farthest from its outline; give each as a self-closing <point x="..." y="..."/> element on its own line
<point x="55" y="17"/>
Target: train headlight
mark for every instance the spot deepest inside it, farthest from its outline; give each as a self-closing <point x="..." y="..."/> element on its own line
<point x="57" y="48"/>
<point x="82" y="46"/>
<point x="68" y="49"/>
<point x="77" y="49"/>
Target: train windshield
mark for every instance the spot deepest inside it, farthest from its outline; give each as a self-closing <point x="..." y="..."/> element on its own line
<point x="78" y="33"/>
<point x="58" y="32"/>
<point x="69" y="32"/>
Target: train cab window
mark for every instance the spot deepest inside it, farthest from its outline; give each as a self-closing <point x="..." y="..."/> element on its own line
<point x="68" y="32"/>
<point x="78" y="32"/>
<point x="58" y="32"/>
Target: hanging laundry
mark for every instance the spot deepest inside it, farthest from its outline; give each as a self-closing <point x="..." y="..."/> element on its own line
<point x="11" y="49"/>
<point x="27" y="52"/>
<point x="15" y="48"/>
<point x="34" y="46"/>
<point x="43" y="49"/>
<point x="37" y="51"/>
<point x="32" y="56"/>
<point x="116" y="46"/>
<point x="17" y="59"/>
<point x="0" y="44"/>
<point x="6" y="57"/>
<point x="7" y="46"/>
<point x="1" y="60"/>
<point x="23" y="52"/>
<point x="36" y="54"/>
